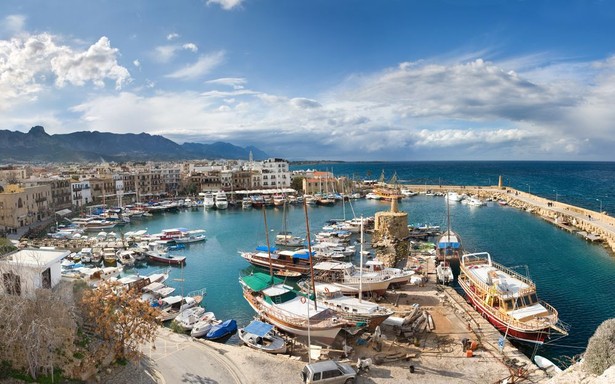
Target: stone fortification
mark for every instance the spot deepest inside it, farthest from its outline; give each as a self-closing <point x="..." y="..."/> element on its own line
<point x="390" y="235"/>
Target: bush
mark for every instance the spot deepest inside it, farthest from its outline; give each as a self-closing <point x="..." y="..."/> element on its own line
<point x="600" y="353"/>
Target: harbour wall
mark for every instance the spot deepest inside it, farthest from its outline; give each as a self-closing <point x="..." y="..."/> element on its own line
<point x="591" y="225"/>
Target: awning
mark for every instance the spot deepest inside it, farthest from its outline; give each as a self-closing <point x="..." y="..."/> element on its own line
<point x="64" y="212"/>
<point x="258" y="328"/>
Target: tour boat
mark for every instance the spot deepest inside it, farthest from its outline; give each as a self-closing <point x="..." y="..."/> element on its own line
<point x="508" y="300"/>
<point x="294" y="261"/>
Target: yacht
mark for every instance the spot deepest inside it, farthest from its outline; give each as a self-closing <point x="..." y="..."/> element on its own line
<point x="221" y="201"/>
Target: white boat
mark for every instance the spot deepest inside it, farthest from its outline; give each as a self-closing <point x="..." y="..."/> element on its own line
<point x="188" y="318"/>
<point x="397" y="276"/>
<point x="171" y="306"/>
<point x="261" y="336"/>
<point x="452" y="197"/>
<point x="444" y="273"/>
<point x="546" y="364"/>
<point x="221" y="201"/>
<point x="127" y="258"/>
<point x="246" y="202"/>
<point x="209" y="200"/>
<point x="348" y="278"/>
<point x="351" y="308"/>
<point x="204" y="325"/>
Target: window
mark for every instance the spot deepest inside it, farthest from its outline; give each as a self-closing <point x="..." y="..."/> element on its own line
<point x="331" y="374"/>
<point x="316" y="376"/>
<point x="46" y="278"/>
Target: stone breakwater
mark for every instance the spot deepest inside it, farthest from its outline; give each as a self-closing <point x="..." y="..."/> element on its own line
<point x="592" y="225"/>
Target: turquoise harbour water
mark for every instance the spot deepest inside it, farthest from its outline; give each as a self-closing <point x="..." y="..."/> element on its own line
<point x="574" y="276"/>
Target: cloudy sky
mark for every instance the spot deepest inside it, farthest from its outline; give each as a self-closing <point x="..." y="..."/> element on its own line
<point x="320" y="79"/>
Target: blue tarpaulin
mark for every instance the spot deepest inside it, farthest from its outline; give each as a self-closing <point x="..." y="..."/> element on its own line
<point x="264" y="248"/>
<point x="258" y="328"/>
<point x="304" y="256"/>
<point x="445" y="244"/>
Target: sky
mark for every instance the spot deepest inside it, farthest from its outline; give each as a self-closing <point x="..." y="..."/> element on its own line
<point x="389" y="80"/>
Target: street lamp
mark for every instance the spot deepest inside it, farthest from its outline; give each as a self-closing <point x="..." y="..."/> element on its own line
<point x="600" y="205"/>
<point x="528" y="189"/>
<point x="555" y="190"/>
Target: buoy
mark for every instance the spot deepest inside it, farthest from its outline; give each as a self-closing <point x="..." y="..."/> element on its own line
<point x="303" y="300"/>
<point x="469" y="353"/>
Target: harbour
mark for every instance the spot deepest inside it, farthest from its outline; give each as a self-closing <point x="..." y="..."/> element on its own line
<point x="217" y="265"/>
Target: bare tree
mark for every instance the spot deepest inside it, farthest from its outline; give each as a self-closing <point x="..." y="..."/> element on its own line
<point x="122" y="320"/>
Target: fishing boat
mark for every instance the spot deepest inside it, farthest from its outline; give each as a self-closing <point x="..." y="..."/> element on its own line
<point x="289" y="311"/>
<point x="508" y="300"/>
<point x="397" y="276"/>
<point x="225" y="328"/>
<point x="171" y="306"/>
<point x="261" y="336"/>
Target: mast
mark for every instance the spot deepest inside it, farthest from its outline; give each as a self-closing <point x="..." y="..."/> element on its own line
<point x="309" y="242"/>
<point x="268" y="247"/>
<point x="361" y="262"/>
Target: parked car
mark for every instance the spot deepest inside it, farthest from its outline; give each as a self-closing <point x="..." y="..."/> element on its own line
<point x="328" y="371"/>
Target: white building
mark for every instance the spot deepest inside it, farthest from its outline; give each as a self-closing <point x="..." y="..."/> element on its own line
<point x="81" y="193"/>
<point x="275" y="173"/>
<point x="26" y="270"/>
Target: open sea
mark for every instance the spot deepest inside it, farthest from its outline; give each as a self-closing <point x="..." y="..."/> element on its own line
<point x="574" y="276"/>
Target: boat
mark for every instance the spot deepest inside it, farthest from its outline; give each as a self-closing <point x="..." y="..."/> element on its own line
<point x="508" y="300"/>
<point x="546" y="364"/>
<point x="282" y="306"/>
<point x="448" y="246"/>
<point x="444" y="273"/>
<point x="261" y="336"/>
<point x="246" y="202"/>
<point x="171" y="306"/>
<point x="221" y="201"/>
<point x="294" y="261"/>
<point x="397" y="276"/>
<point x="204" y="324"/>
<point x="188" y="318"/>
<point x="225" y="328"/>
<point x="127" y="258"/>
<point x="209" y="201"/>
<point x="165" y="258"/>
<point x="350" y="308"/>
<point x="452" y="197"/>
<point x="348" y="278"/>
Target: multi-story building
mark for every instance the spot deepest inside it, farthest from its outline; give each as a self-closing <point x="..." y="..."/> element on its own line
<point x="81" y="194"/>
<point x="60" y="191"/>
<point x="22" y="206"/>
<point x="275" y="173"/>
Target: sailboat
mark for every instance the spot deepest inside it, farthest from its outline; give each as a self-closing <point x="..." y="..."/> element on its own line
<point x="287" y="309"/>
<point x="448" y="246"/>
<point x="285" y="237"/>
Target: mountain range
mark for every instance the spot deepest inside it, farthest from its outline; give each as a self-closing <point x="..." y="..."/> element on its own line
<point x="38" y="146"/>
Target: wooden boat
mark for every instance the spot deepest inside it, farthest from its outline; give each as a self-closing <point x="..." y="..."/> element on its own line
<point x="348" y="278"/>
<point x="281" y="306"/>
<point x="508" y="300"/>
<point x="295" y="261"/>
<point x="448" y="246"/>
<point x="261" y="336"/>
<point x="225" y="328"/>
<point x="166" y="258"/>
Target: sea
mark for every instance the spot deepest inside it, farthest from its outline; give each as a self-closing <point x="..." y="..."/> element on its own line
<point x="571" y="274"/>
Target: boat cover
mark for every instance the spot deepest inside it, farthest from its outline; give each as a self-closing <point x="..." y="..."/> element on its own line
<point x="258" y="281"/>
<point x="264" y="248"/>
<point x="258" y="328"/>
<point x="449" y="244"/>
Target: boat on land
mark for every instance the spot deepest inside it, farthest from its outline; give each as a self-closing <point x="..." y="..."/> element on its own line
<point x="448" y="246"/>
<point x="289" y="311"/>
<point x="351" y="308"/>
<point x="348" y="278"/>
<point x="546" y="364"/>
<point x="262" y="336"/>
<point x="225" y="328"/>
<point x="508" y="300"/>
<point x="444" y="273"/>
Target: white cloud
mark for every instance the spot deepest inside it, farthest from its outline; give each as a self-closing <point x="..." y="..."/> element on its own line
<point x="136" y="63"/>
<point x="226" y="4"/>
<point x="13" y="23"/>
<point x="234" y="82"/>
<point x="96" y="64"/>
<point x="201" y="67"/>
<point x="172" y="36"/>
<point x="190" y="47"/>
<point x="32" y="63"/>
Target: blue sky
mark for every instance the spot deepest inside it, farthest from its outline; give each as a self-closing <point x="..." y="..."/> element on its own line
<point x="320" y="79"/>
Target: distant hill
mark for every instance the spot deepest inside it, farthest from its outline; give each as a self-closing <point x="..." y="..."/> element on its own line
<point x="37" y="145"/>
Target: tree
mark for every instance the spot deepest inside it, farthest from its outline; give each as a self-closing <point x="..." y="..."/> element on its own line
<point x="297" y="183"/>
<point x="121" y="319"/>
<point x="599" y="354"/>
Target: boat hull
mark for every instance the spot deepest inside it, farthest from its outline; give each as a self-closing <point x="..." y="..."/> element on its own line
<point x="535" y="336"/>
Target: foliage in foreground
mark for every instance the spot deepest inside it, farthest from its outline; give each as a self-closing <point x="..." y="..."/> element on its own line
<point x="122" y="320"/>
<point x="600" y="353"/>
